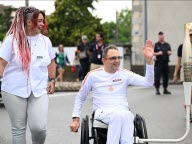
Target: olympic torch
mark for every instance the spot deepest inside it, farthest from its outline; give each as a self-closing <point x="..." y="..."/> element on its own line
<point x="187" y="64"/>
<point x="187" y="69"/>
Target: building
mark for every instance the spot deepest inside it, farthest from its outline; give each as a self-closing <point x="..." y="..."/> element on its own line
<point x="168" y="16"/>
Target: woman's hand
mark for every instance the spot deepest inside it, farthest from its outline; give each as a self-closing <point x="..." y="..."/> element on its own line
<point x="51" y="87"/>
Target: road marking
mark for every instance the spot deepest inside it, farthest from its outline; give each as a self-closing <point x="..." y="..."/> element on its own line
<point x="62" y="94"/>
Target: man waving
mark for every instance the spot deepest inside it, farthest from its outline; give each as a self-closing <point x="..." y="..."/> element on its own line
<point x="109" y="91"/>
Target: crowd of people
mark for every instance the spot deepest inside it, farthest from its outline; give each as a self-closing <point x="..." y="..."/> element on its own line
<point x="87" y="57"/>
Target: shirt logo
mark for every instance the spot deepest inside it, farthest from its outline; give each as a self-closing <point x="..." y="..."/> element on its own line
<point x="39" y="57"/>
<point x="116" y="80"/>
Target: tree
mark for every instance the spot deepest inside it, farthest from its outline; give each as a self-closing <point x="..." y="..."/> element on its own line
<point x="109" y="28"/>
<point x="123" y="26"/>
<point x="5" y="21"/>
<point x="71" y="20"/>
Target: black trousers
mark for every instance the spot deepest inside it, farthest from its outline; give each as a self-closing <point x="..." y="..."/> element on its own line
<point x="85" y="64"/>
<point x="161" y="69"/>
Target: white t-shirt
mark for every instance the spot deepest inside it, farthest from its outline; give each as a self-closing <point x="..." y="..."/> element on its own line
<point x="15" y="80"/>
<point x="109" y="90"/>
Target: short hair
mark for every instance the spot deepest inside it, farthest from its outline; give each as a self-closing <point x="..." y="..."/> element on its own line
<point x="105" y="50"/>
<point x="160" y="33"/>
<point x="84" y="37"/>
<point x="101" y="34"/>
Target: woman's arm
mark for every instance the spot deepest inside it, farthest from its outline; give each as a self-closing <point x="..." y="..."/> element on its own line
<point x="51" y="74"/>
<point x="3" y="64"/>
<point x="177" y="67"/>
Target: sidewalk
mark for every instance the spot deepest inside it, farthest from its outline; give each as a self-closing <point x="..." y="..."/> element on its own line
<point x="67" y="86"/>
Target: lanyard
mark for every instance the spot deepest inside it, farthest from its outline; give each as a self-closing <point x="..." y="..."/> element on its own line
<point x="97" y="48"/>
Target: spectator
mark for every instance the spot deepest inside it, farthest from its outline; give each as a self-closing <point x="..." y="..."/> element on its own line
<point x="178" y="65"/>
<point x="77" y="64"/>
<point x="61" y="61"/>
<point x="162" y="51"/>
<point x="83" y="55"/>
<point x="96" y="50"/>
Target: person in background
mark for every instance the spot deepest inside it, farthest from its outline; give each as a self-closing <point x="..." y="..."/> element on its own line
<point x="178" y="66"/>
<point x="77" y="65"/>
<point x="162" y="51"/>
<point x="61" y="61"/>
<point x="95" y="51"/>
<point x="83" y="55"/>
<point x="26" y="63"/>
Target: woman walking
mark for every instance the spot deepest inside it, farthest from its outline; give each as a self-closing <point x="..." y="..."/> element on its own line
<point x="26" y="62"/>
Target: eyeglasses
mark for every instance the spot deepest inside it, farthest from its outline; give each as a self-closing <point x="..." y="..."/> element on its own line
<point x="113" y="58"/>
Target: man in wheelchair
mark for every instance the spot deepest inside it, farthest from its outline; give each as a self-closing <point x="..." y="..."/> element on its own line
<point x="109" y="91"/>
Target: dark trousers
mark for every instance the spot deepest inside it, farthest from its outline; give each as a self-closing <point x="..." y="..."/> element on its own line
<point x="85" y="64"/>
<point x="161" y="69"/>
<point x="79" y="68"/>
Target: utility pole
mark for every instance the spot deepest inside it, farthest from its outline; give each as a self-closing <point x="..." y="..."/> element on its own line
<point x="26" y="3"/>
<point x="116" y="31"/>
<point x="145" y="28"/>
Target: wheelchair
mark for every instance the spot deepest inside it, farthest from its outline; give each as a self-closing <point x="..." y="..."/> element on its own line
<point x="99" y="130"/>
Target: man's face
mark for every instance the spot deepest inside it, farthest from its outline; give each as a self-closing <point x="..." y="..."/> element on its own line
<point x="84" y="41"/>
<point x="161" y="38"/>
<point x="112" y="61"/>
<point x="98" y="38"/>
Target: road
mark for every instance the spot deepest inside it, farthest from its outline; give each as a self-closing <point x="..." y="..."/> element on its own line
<point x="164" y="115"/>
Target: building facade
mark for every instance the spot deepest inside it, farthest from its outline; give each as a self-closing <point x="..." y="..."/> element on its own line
<point x="167" y="16"/>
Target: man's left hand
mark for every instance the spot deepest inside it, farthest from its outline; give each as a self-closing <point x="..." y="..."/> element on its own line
<point x="169" y="52"/>
<point x="50" y="87"/>
<point x="148" y="52"/>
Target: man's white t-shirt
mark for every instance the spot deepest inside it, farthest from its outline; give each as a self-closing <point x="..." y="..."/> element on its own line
<point x="15" y="80"/>
<point x="109" y="90"/>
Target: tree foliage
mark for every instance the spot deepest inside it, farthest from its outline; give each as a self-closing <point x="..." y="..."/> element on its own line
<point x="123" y="26"/>
<point x="71" y="20"/>
<point x="5" y="21"/>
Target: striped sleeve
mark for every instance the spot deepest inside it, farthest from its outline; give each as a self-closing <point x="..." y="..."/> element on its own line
<point x="82" y="95"/>
<point x="138" y="80"/>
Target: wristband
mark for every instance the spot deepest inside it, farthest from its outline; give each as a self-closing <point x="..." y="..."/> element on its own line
<point x="52" y="80"/>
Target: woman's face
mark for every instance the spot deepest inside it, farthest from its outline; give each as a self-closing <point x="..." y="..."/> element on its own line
<point x="61" y="47"/>
<point x="40" y="21"/>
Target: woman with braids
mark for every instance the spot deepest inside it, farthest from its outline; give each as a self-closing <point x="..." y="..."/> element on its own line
<point x="26" y="63"/>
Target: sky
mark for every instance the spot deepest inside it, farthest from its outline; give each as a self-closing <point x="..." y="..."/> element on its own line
<point x="105" y="9"/>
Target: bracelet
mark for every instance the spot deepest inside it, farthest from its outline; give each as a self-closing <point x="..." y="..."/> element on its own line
<point x="1" y="78"/>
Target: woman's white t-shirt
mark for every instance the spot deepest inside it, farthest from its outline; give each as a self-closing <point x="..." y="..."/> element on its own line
<point x="15" y="80"/>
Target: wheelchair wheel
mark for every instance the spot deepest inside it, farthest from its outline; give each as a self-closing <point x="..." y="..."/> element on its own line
<point x="140" y="127"/>
<point x="85" y="130"/>
<point x="95" y="141"/>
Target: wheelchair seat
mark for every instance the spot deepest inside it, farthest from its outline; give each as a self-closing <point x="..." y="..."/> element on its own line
<point x="99" y="124"/>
